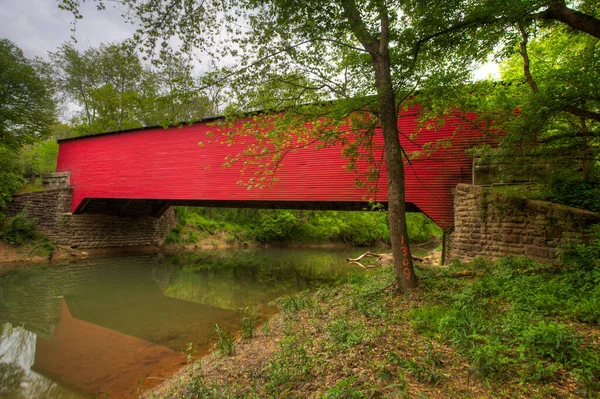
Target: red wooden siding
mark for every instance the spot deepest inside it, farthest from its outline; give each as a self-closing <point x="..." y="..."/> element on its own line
<point x="168" y="164"/>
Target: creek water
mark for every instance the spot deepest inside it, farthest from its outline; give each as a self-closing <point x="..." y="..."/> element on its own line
<point x="112" y="327"/>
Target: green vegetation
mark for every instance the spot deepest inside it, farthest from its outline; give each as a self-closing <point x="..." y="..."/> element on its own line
<point x="20" y="230"/>
<point x="237" y="226"/>
<point x="249" y="320"/>
<point x="511" y="328"/>
<point x="224" y="341"/>
<point x="574" y="190"/>
<point x="116" y="91"/>
<point x="27" y="112"/>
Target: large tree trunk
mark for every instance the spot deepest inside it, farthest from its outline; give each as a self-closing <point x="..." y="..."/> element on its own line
<point x="403" y="264"/>
<point x="379" y="51"/>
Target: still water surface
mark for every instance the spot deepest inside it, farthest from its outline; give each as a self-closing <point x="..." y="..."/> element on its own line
<point x="108" y="327"/>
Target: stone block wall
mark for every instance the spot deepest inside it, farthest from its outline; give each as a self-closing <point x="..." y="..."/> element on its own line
<point x="52" y="209"/>
<point x="489" y="224"/>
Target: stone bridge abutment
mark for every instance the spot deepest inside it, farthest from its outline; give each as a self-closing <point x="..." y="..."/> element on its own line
<point x="132" y="224"/>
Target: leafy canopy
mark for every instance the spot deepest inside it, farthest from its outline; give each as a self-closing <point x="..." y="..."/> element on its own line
<point x="27" y="109"/>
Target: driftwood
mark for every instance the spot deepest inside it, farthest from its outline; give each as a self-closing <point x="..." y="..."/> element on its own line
<point x="373" y="254"/>
<point x="379" y="256"/>
<point x="380" y="259"/>
<point x="363" y="266"/>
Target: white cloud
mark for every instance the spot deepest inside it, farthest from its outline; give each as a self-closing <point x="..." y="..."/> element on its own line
<point x="39" y="26"/>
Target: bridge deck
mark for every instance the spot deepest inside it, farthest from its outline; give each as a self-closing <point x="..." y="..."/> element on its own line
<point x="167" y="166"/>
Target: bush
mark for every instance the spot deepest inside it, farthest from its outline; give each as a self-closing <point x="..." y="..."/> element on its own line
<point x="276" y="228"/>
<point x="582" y="256"/>
<point x="421" y="228"/>
<point x="573" y="191"/>
<point x="19" y="229"/>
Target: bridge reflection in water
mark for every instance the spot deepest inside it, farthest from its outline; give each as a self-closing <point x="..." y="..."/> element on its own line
<point x="97" y="327"/>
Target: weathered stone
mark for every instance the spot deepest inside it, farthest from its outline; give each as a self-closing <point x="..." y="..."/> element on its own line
<point x="499" y="227"/>
<point x="51" y="209"/>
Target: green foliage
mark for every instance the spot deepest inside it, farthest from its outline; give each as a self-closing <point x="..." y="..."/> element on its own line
<point x="249" y="319"/>
<point x="421" y="228"/>
<point x="573" y="190"/>
<point x="282" y="226"/>
<point x="290" y="305"/>
<point x="585" y="257"/>
<point x="423" y="368"/>
<point x="368" y="295"/>
<point x="277" y="228"/>
<point x="344" y="389"/>
<point x="344" y="333"/>
<point x="45" y="247"/>
<point x="10" y="175"/>
<point x="19" y="229"/>
<point x="27" y="109"/>
<point x="224" y="341"/>
<point x="291" y="363"/>
<point x="39" y="158"/>
<point x="528" y="301"/>
<point x="116" y="91"/>
<point x="554" y="136"/>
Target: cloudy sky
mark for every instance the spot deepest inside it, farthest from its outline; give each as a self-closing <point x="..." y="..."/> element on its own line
<point x="38" y="26"/>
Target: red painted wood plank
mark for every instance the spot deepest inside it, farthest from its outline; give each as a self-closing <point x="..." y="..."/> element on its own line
<point x="169" y="164"/>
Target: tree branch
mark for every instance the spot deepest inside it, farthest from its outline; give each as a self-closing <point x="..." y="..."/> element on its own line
<point x="358" y="27"/>
<point x="583" y="113"/>
<point x="525" y="55"/>
<point x="575" y="19"/>
<point x="582" y="134"/>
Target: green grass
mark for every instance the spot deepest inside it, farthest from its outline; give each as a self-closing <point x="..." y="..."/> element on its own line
<point x="517" y="320"/>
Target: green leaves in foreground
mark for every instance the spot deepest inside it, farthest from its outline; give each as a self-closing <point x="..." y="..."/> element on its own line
<point x="516" y="320"/>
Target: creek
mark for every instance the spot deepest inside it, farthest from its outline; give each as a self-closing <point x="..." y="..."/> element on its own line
<point x="112" y="327"/>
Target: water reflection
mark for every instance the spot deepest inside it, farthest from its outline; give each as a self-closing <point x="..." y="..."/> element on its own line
<point x="231" y="280"/>
<point x="95" y="327"/>
<point x="18" y="376"/>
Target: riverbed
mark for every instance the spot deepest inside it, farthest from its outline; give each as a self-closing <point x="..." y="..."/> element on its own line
<point x="113" y="327"/>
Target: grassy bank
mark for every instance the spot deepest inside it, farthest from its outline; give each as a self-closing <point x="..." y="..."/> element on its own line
<point x="283" y="227"/>
<point x="504" y="329"/>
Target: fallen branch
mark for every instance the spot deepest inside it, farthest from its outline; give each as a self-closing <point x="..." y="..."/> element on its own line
<point x="379" y="256"/>
<point x="373" y="254"/>
<point x="363" y="266"/>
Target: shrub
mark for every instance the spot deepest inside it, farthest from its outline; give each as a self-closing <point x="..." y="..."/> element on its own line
<point x="421" y="228"/>
<point x="19" y="229"/>
<point x="573" y="191"/>
<point x="582" y="256"/>
<point x="276" y="228"/>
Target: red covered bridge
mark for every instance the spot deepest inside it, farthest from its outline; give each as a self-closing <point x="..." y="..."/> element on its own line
<point x="162" y="167"/>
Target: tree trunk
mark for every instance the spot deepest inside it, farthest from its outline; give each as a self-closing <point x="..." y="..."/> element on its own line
<point x="403" y="264"/>
<point x="379" y="51"/>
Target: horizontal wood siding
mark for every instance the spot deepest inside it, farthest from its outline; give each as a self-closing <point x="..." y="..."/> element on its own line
<point x="168" y="164"/>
